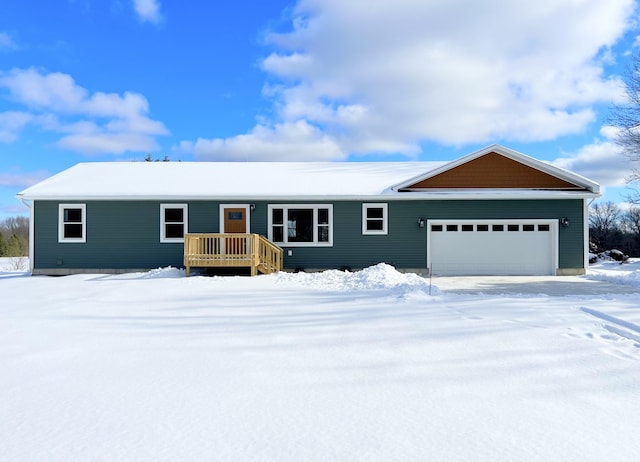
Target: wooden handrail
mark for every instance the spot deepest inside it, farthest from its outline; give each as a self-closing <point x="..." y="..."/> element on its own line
<point x="270" y="255"/>
<point x="231" y="250"/>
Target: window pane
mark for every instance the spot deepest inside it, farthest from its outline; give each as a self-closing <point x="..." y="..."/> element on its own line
<point x="323" y="216"/>
<point x="73" y="231"/>
<point x="174" y="216"/>
<point x="498" y="227"/>
<point x="482" y="227"/>
<point x="278" y="233"/>
<point x="467" y="227"/>
<point x="513" y="227"/>
<point x="234" y="216"/>
<point x="73" y="215"/>
<point x="543" y="227"/>
<point x="528" y="227"/>
<point x="452" y="227"/>
<point x="323" y="234"/>
<point x="374" y="225"/>
<point x="375" y="212"/>
<point x="174" y="230"/>
<point x="300" y="225"/>
<point x="277" y="217"/>
<point x="436" y="228"/>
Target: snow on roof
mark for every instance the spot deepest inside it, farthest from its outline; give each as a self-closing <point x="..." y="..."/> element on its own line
<point x="279" y="180"/>
<point x="193" y="180"/>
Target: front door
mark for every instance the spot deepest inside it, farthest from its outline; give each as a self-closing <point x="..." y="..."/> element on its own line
<point x="234" y="219"/>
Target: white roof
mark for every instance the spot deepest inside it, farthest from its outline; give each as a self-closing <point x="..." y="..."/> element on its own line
<point x="251" y="181"/>
<point x="198" y="180"/>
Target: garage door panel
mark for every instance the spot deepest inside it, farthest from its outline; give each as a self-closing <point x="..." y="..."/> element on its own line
<point x="492" y="252"/>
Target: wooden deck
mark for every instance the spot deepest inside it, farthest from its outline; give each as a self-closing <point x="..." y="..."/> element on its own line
<point x="232" y="250"/>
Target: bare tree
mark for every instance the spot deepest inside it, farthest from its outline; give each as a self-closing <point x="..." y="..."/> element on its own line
<point x="626" y="118"/>
<point x="631" y="221"/>
<point x="631" y="225"/>
<point x="603" y="221"/>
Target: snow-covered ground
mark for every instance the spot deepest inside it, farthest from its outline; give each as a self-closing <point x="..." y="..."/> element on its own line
<point x="317" y="367"/>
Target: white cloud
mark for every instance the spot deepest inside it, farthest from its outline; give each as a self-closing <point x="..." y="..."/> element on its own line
<point x="113" y="143"/>
<point x="147" y="10"/>
<point x="6" y="42"/>
<point x="22" y="179"/>
<point x="93" y="122"/>
<point x="11" y="123"/>
<point x="283" y="142"/>
<point x="386" y="76"/>
<point x="601" y="161"/>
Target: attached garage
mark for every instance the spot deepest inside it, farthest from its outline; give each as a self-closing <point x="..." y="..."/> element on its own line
<point x="492" y="247"/>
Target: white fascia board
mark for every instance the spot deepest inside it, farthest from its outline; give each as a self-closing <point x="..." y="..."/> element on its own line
<point x="466" y="194"/>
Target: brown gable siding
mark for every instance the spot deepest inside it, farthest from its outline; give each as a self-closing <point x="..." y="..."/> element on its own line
<point x="494" y="171"/>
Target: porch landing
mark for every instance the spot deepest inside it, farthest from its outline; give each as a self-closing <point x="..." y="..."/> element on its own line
<point x="228" y="250"/>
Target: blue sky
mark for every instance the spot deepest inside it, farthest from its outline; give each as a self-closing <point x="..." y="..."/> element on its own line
<point x="114" y="80"/>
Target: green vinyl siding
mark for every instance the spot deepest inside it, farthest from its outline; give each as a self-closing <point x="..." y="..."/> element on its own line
<point x="126" y="234"/>
<point x="119" y="235"/>
<point x="405" y="244"/>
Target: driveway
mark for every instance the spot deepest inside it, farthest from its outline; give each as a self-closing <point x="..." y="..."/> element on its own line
<point x="529" y="285"/>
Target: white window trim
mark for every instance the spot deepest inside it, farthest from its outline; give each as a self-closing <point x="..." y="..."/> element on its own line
<point x="185" y="216"/>
<point x="61" y="223"/>
<point x="385" y="218"/>
<point x="314" y="207"/>
<point x="247" y="211"/>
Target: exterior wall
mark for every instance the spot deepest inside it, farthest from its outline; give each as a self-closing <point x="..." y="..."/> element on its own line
<point x="126" y="234"/>
<point x="120" y="235"/>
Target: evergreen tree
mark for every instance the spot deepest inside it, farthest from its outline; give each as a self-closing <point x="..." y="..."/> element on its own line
<point x="4" y="246"/>
<point x="13" y="247"/>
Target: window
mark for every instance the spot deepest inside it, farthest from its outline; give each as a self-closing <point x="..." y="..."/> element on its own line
<point x="436" y="227"/>
<point x="467" y="227"/>
<point x="528" y="227"/>
<point x="482" y="227"/>
<point x="513" y="227"/>
<point x="72" y="223"/>
<point x="173" y="222"/>
<point x="301" y="225"/>
<point x="497" y="227"/>
<point x="374" y="218"/>
<point x="452" y="227"/>
<point x="543" y="228"/>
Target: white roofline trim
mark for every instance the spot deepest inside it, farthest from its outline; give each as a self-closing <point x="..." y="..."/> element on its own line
<point x="418" y="195"/>
<point x="513" y="155"/>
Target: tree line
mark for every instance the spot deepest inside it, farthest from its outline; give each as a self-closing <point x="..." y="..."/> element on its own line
<point x="612" y="227"/>
<point x="14" y="237"/>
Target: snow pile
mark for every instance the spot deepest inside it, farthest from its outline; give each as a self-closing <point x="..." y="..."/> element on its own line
<point x="164" y="273"/>
<point x="14" y="264"/>
<point x="380" y="276"/>
<point x="627" y="273"/>
<point x="607" y="255"/>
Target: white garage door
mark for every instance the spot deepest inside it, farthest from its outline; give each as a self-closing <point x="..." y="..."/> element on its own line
<point x="466" y="247"/>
